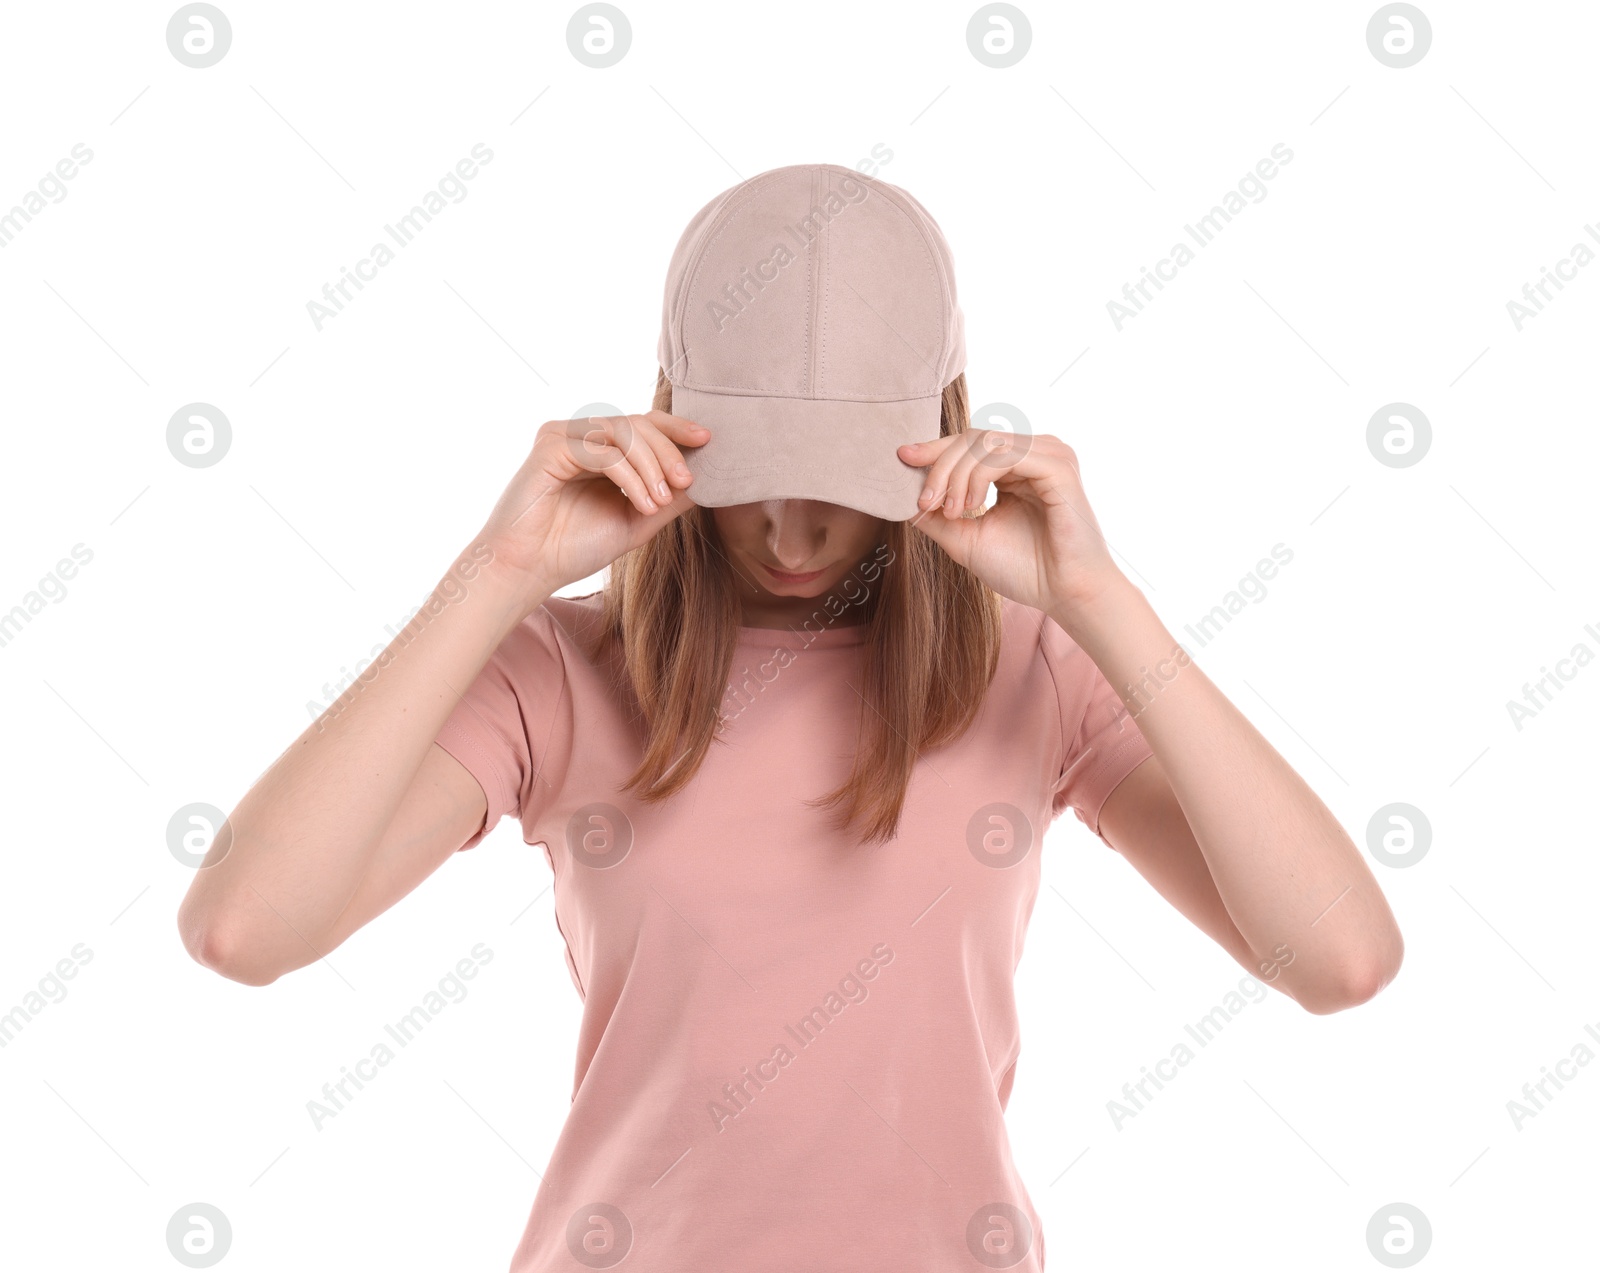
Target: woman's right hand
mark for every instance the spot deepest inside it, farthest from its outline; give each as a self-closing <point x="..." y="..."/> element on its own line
<point x="589" y="491"/>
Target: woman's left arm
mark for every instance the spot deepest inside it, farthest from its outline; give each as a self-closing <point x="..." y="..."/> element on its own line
<point x="1217" y="820"/>
<point x="1222" y="821"/>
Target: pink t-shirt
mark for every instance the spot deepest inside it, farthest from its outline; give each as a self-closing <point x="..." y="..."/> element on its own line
<point x="796" y="1050"/>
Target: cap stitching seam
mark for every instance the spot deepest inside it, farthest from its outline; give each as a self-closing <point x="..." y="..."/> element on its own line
<point x="751" y="188"/>
<point x="821" y="377"/>
<point x="707" y="468"/>
<point x="813" y="252"/>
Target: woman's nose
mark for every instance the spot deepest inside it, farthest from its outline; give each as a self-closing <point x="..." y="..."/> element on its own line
<point x="794" y="525"/>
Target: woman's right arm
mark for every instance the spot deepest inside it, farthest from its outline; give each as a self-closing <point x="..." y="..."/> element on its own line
<point x="292" y="857"/>
<point x="363" y="806"/>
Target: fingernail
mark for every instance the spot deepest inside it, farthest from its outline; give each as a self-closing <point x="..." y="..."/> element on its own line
<point x="682" y="470"/>
<point x="661" y="490"/>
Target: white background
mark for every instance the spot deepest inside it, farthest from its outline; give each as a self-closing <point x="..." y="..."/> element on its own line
<point x="1230" y="416"/>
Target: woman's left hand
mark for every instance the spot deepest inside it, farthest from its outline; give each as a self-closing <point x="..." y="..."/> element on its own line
<point x="1040" y="544"/>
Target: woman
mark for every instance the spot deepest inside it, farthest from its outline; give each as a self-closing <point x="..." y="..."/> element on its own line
<point x="792" y="767"/>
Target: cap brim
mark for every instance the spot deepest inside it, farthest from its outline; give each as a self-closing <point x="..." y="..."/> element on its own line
<point x="801" y="448"/>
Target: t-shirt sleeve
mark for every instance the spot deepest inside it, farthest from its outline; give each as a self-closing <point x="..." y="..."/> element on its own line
<point x="500" y="729"/>
<point x="1101" y="743"/>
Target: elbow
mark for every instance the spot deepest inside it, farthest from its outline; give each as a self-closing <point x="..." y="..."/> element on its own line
<point x="215" y="943"/>
<point x="1358" y="983"/>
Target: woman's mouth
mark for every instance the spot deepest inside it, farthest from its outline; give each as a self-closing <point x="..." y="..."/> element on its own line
<point x="785" y="576"/>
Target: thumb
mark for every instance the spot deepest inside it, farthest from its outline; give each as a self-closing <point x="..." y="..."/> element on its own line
<point x="953" y="534"/>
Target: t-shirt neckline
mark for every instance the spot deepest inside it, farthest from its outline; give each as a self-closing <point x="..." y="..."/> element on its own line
<point x="806" y="636"/>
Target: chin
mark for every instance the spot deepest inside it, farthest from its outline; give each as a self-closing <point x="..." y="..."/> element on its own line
<point x="796" y="587"/>
<point x="810" y="589"/>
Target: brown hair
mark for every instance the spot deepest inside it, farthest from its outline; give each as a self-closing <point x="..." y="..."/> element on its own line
<point x="932" y="645"/>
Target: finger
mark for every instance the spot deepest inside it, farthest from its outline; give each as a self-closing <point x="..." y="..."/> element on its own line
<point x="595" y="451"/>
<point x="995" y="456"/>
<point x="960" y="486"/>
<point x="955" y="535"/>
<point x="978" y="482"/>
<point x="1032" y="467"/>
<point x="689" y="432"/>
<point x="938" y="456"/>
<point x="966" y="484"/>
<point x="598" y="444"/>
<point x="632" y="435"/>
<point x="627" y="479"/>
<point x="669" y="510"/>
<point x="998" y="452"/>
<point x="659" y="430"/>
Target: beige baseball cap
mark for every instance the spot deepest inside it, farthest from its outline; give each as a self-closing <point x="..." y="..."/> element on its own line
<point x="810" y="322"/>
